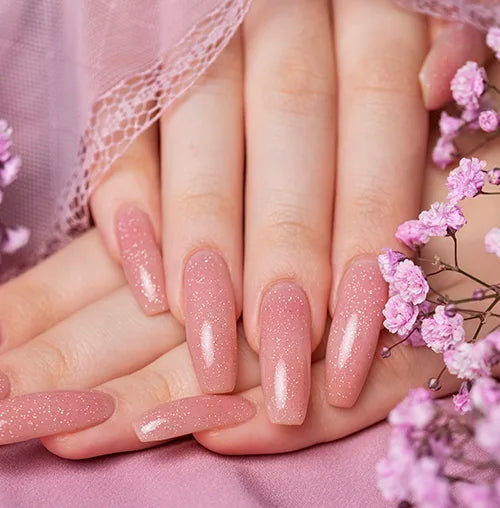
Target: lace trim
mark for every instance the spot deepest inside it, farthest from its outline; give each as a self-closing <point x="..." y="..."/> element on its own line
<point x="134" y="104"/>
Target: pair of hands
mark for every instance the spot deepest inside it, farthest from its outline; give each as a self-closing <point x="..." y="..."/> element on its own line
<point x="266" y="116"/>
<point x="288" y="96"/>
<point x="72" y="323"/>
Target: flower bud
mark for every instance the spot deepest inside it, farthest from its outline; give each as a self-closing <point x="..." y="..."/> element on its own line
<point x="385" y="352"/>
<point x="478" y="294"/>
<point x="450" y="310"/>
<point x="434" y="384"/>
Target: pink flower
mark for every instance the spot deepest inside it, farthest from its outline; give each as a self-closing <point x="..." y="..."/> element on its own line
<point x="469" y="360"/>
<point x="5" y="141"/>
<point x="494" y="340"/>
<point x="410" y="282"/>
<point x="471" y="116"/>
<point x="485" y="394"/>
<point x="9" y="170"/>
<point x="494" y="176"/>
<point x="394" y="471"/>
<point x="474" y="495"/>
<point x="468" y="85"/>
<point x="449" y="125"/>
<point x="493" y="40"/>
<point x="487" y="434"/>
<point x="442" y="219"/>
<point x="400" y="316"/>
<point x="416" y="411"/>
<point x="441" y="332"/>
<point x="461" y="400"/>
<point x="12" y="239"/>
<point x="429" y="488"/>
<point x="388" y="261"/>
<point x="444" y="152"/>
<point x="467" y="180"/>
<point x="412" y="233"/>
<point x="492" y="241"/>
<point x="488" y="120"/>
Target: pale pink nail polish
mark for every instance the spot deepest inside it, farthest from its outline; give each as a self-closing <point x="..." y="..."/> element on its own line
<point x="194" y="414"/>
<point x="141" y="259"/>
<point x="43" y="414"/>
<point x="211" y="321"/>
<point x="4" y="386"/>
<point x="354" y="331"/>
<point x="285" y="353"/>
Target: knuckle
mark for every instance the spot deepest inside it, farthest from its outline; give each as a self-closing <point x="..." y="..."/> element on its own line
<point x="154" y="385"/>
<point x="382" y="74"/>
<point x="52" y="360"/>
<point x="194" y="205"/>
<point x="294" y="86"/>
<point x="374" y="209"/>
<point x="287" y="229"/>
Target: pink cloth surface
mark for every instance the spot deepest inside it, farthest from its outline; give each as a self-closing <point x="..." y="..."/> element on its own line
<point x="183" y="474"/>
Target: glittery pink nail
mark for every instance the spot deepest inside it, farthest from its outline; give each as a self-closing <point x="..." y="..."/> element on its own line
<point x="141" y="259"/>
<point x="285" y="353"/>
<point x="211" y="321"/>
<point x="43" y="414"/>
<point x="194" y="414"/>
<point x="4" y="385"/>
<point x="354" y="332"/>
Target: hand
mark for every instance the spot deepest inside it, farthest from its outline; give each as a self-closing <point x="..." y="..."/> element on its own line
<point x="282" y="103"/>
<point x="111" y="338"/>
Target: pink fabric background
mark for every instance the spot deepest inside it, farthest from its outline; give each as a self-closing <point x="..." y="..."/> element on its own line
<point x="183" y="474"/>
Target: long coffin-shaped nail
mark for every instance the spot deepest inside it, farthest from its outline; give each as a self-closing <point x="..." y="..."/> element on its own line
<point x="354" y="331"/>
<point x="456" y="44"/>
<point x="285" y="352"/>
<point x="43" y="414"/>
<point x="4" y="385"/>
<point x="194" y="414"/>
<point x="141" y="259"/>
<point x="211" y="321"/>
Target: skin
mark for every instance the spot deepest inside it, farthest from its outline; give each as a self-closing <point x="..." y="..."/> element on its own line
<point x="140" y="375"/>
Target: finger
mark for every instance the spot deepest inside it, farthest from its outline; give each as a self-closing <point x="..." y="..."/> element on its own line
<point x="380" y="49"/>
<point x="126" y="210"/>
<point x="74" y="277"/>
<point x="452" y="46"/>
<point x="170" y="378"/>
<point x="387" y="384"/>
<point x="109" y="338"/>
<point x="202" y="168"/>
<point x="289" y="99"/>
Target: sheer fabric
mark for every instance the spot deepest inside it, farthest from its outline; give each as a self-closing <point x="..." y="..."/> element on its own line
<point x="81" y="79"/>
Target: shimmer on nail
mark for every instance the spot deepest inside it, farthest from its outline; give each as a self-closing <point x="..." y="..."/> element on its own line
<point x="285" y="353"/>
<point x="141" y="259"/>
<point x="194" y="414"/>
<point x="211" y="321"/>
<point x="354" y="331"/>
<point x="43" y="414"/>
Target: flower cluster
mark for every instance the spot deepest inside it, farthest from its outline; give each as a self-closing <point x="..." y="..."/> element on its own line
<point x="11" y="238"/>
<point x="427" y="438"/>
<point x="469" y="88"/>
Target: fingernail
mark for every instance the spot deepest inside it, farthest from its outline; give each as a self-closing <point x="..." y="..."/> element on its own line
<point x="285" y="353"/>
<point x="4" y="386"/>
<point x="141" y="259"/>
<point x="354" y="331"/>
<point x="194" y="414"/>
<point x="43" y="414"/>
<point x="211" y="321"/>
<point x="456" y="44"/>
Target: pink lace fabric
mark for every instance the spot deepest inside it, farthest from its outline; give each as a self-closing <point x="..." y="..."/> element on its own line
<point x="483" y="14"/>
<point x="80" y="80"/>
